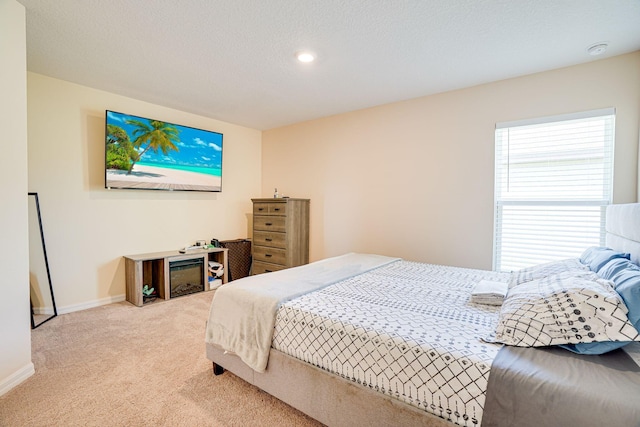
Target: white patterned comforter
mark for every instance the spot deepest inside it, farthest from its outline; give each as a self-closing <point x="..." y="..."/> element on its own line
<point x="406" y="329"/>
<point x="243" y="312"/>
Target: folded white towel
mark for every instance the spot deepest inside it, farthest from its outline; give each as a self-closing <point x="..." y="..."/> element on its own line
<point x="487" y="301"/>
<point x="489" y="292"/>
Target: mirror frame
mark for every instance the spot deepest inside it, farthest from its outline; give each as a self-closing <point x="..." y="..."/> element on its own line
<point x="46" y="262"/>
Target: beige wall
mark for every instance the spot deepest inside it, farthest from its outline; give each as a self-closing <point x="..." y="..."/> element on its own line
<point x="415" y="178"/>
<point x="15" y="336"/>
<point x="88" y="228"/>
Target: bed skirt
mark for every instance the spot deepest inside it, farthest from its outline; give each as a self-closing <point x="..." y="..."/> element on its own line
<point x="323" y="396"/>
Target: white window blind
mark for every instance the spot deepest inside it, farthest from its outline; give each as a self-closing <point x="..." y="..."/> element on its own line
<point x="553" y="180"/>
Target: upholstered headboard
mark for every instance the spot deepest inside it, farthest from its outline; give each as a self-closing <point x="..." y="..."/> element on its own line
<point x="623" y="229"/>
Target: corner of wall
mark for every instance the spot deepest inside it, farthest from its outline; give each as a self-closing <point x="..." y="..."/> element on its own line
<point x="16" y="378"/>
<point x="15" y="332"/>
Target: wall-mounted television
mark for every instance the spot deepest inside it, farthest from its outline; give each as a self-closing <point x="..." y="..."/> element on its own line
<point x="148" y="154"/>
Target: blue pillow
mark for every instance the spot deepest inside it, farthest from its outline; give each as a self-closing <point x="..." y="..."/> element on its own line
<point x="616" y="266"/>
<point x="625" y="276"/>
<point x="596" y="257"/>
<point x="595" y="348"/>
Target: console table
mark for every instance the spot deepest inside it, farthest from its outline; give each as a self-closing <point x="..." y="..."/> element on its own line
<point x="152" y="269"/>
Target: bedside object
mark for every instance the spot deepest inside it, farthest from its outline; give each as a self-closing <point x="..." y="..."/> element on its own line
<point x="280" y="234"/>
<point x="239" y="257"/>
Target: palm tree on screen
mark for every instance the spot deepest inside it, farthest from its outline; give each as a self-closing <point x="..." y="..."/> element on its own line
<point x="120" y="151"/>
<point x="154" y="135"/>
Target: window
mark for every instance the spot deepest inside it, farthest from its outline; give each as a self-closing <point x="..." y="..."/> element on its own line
<point x="553" y="181"/>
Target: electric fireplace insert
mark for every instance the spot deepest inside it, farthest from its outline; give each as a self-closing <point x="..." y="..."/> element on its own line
<point x="186" y="276"/>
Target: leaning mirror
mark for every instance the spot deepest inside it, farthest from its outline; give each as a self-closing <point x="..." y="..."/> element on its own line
<point x="43" y="304"/>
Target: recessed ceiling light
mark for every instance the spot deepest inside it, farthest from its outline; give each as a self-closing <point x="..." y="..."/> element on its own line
<point x="597" y="49"/>
<point x="305" y="56"/>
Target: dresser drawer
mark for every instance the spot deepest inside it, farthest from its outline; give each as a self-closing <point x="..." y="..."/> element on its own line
<point x="264" y="267"/>
<point x="269" y="223"/>
<point x="272" y="240"/>
<point x="270" y="209"/>
<point x="272" y="255"/>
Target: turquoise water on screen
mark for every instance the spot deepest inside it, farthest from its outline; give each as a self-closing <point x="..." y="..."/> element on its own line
<point x="198" y="169"/>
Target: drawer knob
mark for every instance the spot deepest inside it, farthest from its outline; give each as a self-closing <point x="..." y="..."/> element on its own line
<point x="268" y="239"/>
<point x="267" y="255"/>
<point x="268" y="224"/>
<point x="277" y="209"/>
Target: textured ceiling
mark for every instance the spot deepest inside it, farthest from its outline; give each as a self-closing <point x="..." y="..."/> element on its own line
<point x="233" y="60"/>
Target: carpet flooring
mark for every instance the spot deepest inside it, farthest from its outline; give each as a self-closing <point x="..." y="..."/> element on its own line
<point x="121" y="365"/>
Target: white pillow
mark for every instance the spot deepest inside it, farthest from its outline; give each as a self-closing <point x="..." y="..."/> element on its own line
<point x="566" y="308"/>
<point x="547" y="269"/>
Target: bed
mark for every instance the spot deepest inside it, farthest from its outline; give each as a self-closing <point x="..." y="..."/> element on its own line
<point x="349" y="341"/>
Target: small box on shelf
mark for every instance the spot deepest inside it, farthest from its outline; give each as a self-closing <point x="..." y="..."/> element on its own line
<point x="214" y="283"/>
<point x="216" y="272"/>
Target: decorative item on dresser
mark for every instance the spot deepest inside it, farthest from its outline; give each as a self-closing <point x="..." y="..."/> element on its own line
<point x="280" y="233"/>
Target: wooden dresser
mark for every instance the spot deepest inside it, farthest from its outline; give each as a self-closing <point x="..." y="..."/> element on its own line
<point x="280" y="234"/>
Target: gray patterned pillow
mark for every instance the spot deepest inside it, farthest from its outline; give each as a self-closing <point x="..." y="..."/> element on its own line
<point x="566" y="308"/>
<point x="547" y="269"/>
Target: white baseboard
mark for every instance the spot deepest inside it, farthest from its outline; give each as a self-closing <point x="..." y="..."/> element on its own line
<point x="43" y="310"/>
<point x="16" y="378"/>
<point x="90" y="304"/>
<point x="22" y="374"/>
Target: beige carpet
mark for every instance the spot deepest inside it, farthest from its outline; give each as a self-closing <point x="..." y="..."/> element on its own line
<point x="120" y="365"/>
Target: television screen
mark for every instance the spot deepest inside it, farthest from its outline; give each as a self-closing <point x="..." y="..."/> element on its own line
<point x="150" y="154"/>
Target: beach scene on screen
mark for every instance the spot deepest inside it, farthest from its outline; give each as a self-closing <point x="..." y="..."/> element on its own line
<point x="144" y="153"/>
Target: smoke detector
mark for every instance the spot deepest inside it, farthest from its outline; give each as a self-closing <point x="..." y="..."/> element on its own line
<point x="597" y="48"/>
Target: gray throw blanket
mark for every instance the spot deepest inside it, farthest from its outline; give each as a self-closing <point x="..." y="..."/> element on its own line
<point x="532" y="387"/>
